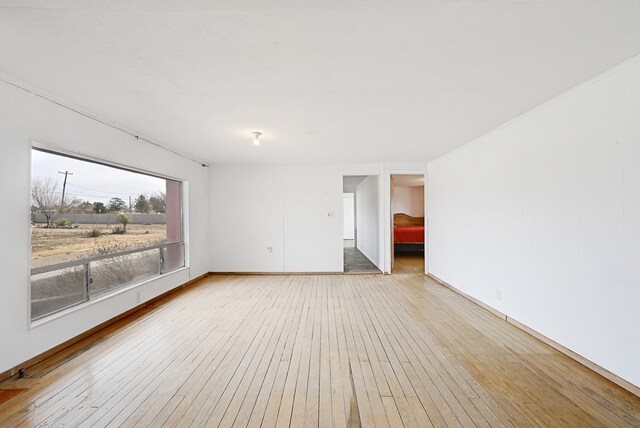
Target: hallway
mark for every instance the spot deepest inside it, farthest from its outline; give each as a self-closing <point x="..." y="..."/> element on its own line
<point x="356" y="262"/>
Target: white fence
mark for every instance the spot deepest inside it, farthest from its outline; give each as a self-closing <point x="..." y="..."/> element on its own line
<point x="110" y="218"/>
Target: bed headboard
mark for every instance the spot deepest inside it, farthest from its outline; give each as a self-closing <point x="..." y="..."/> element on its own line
<point x="402" y="219"/>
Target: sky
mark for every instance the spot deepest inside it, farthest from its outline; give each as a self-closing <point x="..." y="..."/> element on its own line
<point x="94" y="182"/>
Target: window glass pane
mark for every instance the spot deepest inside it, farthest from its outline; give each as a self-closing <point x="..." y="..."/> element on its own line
<point x="82" y="209"/>
<point x="173" y="257"/>
<point x="116" y="272"/>
<point x="57" y="290"/>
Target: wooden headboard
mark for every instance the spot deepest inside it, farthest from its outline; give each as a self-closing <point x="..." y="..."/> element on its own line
<point x="402" y="219"/>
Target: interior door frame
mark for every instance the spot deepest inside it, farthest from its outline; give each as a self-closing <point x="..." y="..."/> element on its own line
<point x="388" y="233"/>
<point x="377" y="170"/>
<point x="393" y="241"/>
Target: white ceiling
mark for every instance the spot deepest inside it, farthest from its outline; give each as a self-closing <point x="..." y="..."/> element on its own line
<point x="325" y="81"/>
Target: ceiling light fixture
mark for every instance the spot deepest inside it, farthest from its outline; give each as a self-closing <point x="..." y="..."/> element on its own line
<point x="256" y="137"/>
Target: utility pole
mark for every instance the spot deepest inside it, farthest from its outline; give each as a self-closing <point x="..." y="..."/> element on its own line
<point x="129" y="203"/>
<point x="64" y="187"/>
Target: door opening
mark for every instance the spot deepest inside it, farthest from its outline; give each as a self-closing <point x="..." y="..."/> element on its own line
<point x="408" y="231"/>
<point x="361" y="236"/>
<point x="349" y="216"/>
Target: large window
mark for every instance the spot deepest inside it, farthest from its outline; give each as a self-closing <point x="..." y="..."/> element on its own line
<point x="96" y="229"/>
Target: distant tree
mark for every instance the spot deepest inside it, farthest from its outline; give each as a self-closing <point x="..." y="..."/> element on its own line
<point x="158" y="202"/>
<point x="44" y="195"/>
<point x="116" y="204"/>
<point x="141" y="204"/>
<point x="99" y="208"/>
<point x="73" y="205"/>
<point x="85" y="207"/>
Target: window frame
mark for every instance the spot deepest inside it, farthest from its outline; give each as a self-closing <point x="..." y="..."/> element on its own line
<point x="56" y="150"/>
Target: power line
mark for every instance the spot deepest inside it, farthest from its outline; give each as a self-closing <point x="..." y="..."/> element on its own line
<point x="89" y="195"/>
<point x="104" y="191"/>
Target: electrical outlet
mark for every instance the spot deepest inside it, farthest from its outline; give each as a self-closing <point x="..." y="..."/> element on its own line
<point x="137" y="297"/>
<point x="499" y="294"/>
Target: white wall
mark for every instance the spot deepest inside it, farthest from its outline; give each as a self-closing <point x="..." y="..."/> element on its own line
<point x="368" y="218"/>
<point x="25" y="117"/>
<point x="286" y="208"/>
<point x="295" y="210"/>
<point x="546" y="211"/>
<point x="409" y="200"/>
<point x="348" y="214"/>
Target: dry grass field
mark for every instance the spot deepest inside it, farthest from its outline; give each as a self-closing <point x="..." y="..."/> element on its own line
<point x="51" y="246"/>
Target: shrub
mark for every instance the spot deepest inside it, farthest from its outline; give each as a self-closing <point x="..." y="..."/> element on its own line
<point x="63" y="222"/>
<point x="124" y="220"/>
<point x="118" y="230"/>
<point x="95" y="232"/>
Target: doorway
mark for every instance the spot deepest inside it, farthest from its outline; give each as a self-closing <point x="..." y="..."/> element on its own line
<point x="349" y="216"/>
<point x="361" y="216"/>
<point x="408" y="231"/>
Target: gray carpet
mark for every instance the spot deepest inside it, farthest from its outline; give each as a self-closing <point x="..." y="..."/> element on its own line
<point x="355" y="261"/>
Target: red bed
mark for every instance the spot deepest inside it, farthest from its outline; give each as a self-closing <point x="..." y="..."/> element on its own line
<point x="408" y="234"/>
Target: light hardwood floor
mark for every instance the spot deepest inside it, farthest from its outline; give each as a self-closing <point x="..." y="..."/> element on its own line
<point x="408" y="263"/>
<point x="321" y="350"/>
